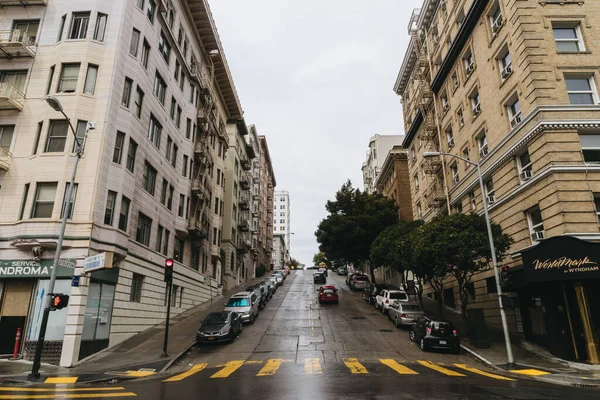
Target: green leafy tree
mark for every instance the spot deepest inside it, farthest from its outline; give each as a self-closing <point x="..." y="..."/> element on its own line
<point x="355" y="220"/>
<point x="319" y="258"/>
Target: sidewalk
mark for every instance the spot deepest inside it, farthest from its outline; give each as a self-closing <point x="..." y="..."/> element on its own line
<point x="140" y="355"/>
<point x="531" y="361"/>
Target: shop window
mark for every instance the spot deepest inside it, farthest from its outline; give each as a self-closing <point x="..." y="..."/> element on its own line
<point x="137" y="282"/>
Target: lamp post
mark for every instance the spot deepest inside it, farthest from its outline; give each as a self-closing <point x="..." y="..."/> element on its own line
<point x="431" y="154"/>
<point x="55" y="104"/>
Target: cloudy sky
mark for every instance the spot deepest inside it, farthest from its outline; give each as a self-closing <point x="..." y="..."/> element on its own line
<point x="316" y="77"/>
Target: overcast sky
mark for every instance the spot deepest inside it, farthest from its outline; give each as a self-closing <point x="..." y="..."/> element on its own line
<point x="316" y="78"/>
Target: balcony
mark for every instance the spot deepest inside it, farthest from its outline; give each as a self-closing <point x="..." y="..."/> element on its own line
<point x="5" y="159"/>
<point x="197" y="230"/>
<point x="181" y="226"/>
<point x="6" y="3"/>
<point x="16" y="43"/>
<point x="11" y="98"/>
<point x="199" y="189"/>
<point x="431" y="166"/>
<point x="246" y="165"/>
<point x="245" y="183"/>
<point x="244" y="226"/>
<point x="436" y="197"/>
<point x="250" y="150"/>
<point x="202" y="151"/>
<point x="244" y="204"/>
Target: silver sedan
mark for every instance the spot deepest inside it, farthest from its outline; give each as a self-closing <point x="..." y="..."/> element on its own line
<point x="404" y="314"/>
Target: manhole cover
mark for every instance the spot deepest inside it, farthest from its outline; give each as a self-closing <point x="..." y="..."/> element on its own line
<point x="357" y="318"/>
<point x="386" y="330"/>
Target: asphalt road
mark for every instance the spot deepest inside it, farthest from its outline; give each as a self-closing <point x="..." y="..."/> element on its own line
<point x="298" y="349"/>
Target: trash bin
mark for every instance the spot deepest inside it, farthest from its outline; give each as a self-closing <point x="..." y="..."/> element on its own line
<point x="478" y="333"/>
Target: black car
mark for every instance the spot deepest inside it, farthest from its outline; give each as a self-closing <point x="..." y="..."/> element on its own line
<point x="319" y="277"/>
<point x="370" y="292"/>
<point x="221" y="326"/>
<point x="435" y="334"/>
<point x="260" y="294"/>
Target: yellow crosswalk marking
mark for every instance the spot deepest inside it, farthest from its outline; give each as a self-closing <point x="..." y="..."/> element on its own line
<point x="530" y="372"/>
<point x="480" y="372"/>
<point x="57" y="389"/>
<point x="354" y="366"/>
<point x="399" y="368"/>
<point x="189" y="372"/>
<point x="228" y="369"/>
<point x="61" y="379"/>
<point x="270" y="367"/>
<point x="312" y="366"/>
<point x="438" y="368"/>
<point x="67" y="395"/>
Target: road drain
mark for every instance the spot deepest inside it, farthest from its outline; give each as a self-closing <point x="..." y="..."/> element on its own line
<point x="386" y="330"/>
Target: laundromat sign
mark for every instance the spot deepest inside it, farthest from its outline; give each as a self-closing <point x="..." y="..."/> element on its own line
<point x="34" y="269"/>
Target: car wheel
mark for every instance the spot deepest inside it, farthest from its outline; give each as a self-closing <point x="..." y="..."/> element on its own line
<point x="251" y="318"/>
<point x="411" y="335"/>
<point x="397" y="323"/>
<point x="423" y="345"/>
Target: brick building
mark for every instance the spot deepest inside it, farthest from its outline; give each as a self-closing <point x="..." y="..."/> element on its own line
<point x="394" y="183"/>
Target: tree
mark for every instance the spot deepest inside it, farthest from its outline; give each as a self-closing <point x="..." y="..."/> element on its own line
<point x="319" y="258"/>
<point x="355" y="220"/>
<point x="292" y="262"/>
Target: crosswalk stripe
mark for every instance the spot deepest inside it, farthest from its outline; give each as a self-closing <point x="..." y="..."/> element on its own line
<point x="270" y="367"/>
<point x="195" y="368"/>
<point x="480" y="372"/>
<point x="354" y="366"/>
<point x="399" y="368"/>
<point x="229" y="369"/>
<point x="312" y="366"/>
<point x="438" y="368"/>
<point x="61" y="379"/>
<point x="67" y="395"/>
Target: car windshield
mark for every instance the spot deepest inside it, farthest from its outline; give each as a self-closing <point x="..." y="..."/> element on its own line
<point x="238" y="302"/>
<point x="217" y="318"/>
<point x="398" y="296"/>
<point x="412" y="307"/>
<point x="361" y="278"/>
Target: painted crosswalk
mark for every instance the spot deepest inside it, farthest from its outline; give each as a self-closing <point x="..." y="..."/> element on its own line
<point x="64" y="393"/>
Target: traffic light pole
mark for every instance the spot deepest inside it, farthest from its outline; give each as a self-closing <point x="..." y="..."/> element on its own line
<point x="169" y="287"/>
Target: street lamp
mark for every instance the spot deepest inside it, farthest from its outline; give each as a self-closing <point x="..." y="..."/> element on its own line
<point x="55" y="104"/>
<point x="431" y="154"/>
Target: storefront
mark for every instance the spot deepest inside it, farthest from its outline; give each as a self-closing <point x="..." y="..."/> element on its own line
<point x="559" y="297"/>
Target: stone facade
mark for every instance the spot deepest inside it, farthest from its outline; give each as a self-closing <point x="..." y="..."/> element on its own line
<point x="393" y="182"/>
<point x="265" y="205"/>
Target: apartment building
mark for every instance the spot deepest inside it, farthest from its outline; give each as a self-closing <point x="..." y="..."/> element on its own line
<point x="281" y="222"/>
<point x="394" y="183"/>
<point x="513" y="86"/>
<point x="237" y="239"/>
<point x="253" y="149"/>
<point x="266" y="190"/>
<point x="379" y="147"/>
<point x="279" y="251"/>
<point x="151" y="78"/>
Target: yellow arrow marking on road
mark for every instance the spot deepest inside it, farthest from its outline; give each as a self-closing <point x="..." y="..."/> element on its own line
<point x="229" y="369"/>
<point x="480" y="372"/>
<point x="67" y="395"/>
<point x="437" y="368"/>
<point x="354" y="366"/>
<point x="61" y="379"/>
<point x="270" y="367"/>
<point x="399" y="368"/>
<point x="189" y="372"/>
<point x="312" y="366"/>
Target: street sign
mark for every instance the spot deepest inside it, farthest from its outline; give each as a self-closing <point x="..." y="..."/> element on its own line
<point x="98" y="261"/>
<point x="75" y="281"/>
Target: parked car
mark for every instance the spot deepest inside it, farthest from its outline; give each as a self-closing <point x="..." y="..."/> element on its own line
<point x="328" y="294"/>
<point x="219" y="327"/>
<point x="260" y="293"/>
<point x="278" y="279"/>
<point x="319" y="277"/>
<point x="404" y="314"/>
<point x="268" y="290"/>
<point x="273" y="281"/>
<point x="435" y="334"/>
<point x="244" y="303"/>
<point x="286" y="270"/>
<point x="359" y="282"/>
<point x="386" y="297"/>
<point x="369" y="293"/>
<point x="324" y="271"/>
<point x="349" y="278"/>
<point x="342" y="271"/>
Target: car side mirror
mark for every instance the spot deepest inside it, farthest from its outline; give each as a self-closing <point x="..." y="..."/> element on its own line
<point x="224" y="304"/>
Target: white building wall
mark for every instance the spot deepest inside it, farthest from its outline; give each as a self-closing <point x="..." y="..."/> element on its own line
<point x="379" y="147"/>
<point x="282" y="221"/>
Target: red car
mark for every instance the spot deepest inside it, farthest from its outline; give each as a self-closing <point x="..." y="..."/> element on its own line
<point x="328" y="294"/>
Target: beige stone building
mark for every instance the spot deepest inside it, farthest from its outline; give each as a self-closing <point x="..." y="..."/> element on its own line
<point x="153" y="79"/>
<point x="394" y="183"/>
<point x="513" y="86"/>
<point x="379" y="147"/>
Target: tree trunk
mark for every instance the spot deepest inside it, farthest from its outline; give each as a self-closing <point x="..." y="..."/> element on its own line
<point x="419" y="291"/>
<point x="372" y="270"/>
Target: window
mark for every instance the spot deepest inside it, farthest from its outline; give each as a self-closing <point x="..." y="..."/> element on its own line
<point x="131" y="151"/>
<point x="450" y="137"/>
<point x="490" y="192"/>
<point x="24" y="201"/>
<point x="181" y="205"/>
<point x="465" y="155"/>
<point x="140" y="4"/>
<point x="90" y="79"/>
<point x="145" y="53"/>
<point x="568" y="37"/>
<point x="184" y="166"/>
<point x="505" y="64"/>
<point x="178" y="117"/>
<point x="57" y="136"/>
<point x="413" y="154"/>
<point x="138" y="100"/>
<point x="174" y="156"/>
<point x="61" y="27"/>
<point x="154" y="131"/>
<point x="482" y="144"/>
<point x="81" y="131"/>
<point x="460" y="18"/>
<point x="455" y="81"/>
<point x="160" y="88"/>
<point x="100" y="27"/>
<point x="469" y="62"/>
<point x="590" y="146"/>
<point x="416" y="179"/>
<point x="38" y="134"/>
<point x="445" y="103"/>
<point x="6" y="136"/>
<point x="475" y="103"/>
<point x="68" y="78"/>
<point x="170" y="198"/>
<point x="419" y="211"/>
<point x="137" y="282"/>
<point x="454" y="171"/>
<point x="461" y="117"/>
<point x="135" y="41"/>
<point x="126" y="95"/>
<point x="495" y="18"/>
<point x="581" y="90"/>
<point x="524" y="164"/>
<point x="536" y="223"/>
<point x="472" y="201"/>
<point x="124" y="214"/>
<point x="50" y="77"/>
<point x="143" y="229"/>
<point x="164" y="48"/>
<point x="43" y="202"/>
<point x="118" y="151"/>
<point x="188" y="128"/>
<point x="177" y="71"/>
<point x="169" y="146"/>
<point x="490" y="284"/>
<point x="150" y="10"/>
<point x="178" y="249"/>
<point x="166" y="244"/>
<point x="79" y="25"/>
<point x="109" y="211"/>
<point x="514" y="113"/>
<point x="596" y="203"/>
<point x="159" y="237"/>
<point x="163" y="192"/>
<point x="149" y="178"/>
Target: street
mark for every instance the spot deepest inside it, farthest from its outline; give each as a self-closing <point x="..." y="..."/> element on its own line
<point x="298" y="349"/>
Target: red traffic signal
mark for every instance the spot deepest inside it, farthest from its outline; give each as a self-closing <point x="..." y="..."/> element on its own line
<point x="59" y="301"/>
<point x="168" y="270"/>
<point x="169" y="263"/>
<point x="505" y="269"/>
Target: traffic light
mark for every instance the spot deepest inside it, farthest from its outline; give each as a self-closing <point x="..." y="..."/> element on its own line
<point x="59" y="301"/>
<point x="169" y="270"/>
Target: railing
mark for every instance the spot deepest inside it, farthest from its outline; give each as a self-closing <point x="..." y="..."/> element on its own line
<point x="17" y="43"/>
<point x="11" y="98"/>
<point x="5" y="3"/>
<point x="5" y="159"/>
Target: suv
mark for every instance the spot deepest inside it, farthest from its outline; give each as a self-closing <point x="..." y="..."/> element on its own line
<point x="244" y="303"/>
<point x="435" y="334"/>
<point x="386" y="296"/>
<point x="260" y="293"/>
<point x="359" y="282"/>
<point x="319" y="277"/>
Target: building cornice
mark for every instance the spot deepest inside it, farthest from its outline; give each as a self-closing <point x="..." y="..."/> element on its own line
<point x="265" y="148"/>
<point x="413" y="129"/>
<point x="388" y="165"/>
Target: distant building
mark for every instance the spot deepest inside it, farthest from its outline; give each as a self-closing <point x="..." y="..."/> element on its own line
<point x="379" y="147"/>
<point x="279" y="251"/>
<point x="394" y="183"/>
<point x="281" y="219"/>
<point x="265" y="205"/>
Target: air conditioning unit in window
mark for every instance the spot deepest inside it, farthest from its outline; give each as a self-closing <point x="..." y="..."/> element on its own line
<point x="446" y="107"/>
<point x="497" y="24"/>
<point x="506" y="72"/>
<point x="477" y="109"/>
<point x="455" y="179"/>
<point x="526" y="175"/>
<point x="450" y="142"/>
<point x="491" y="198"/>
<point x="483" y="151"/>
<point x="470" y="69"/>
<point x="539" y="235"/>
<point x="516" y="120"/>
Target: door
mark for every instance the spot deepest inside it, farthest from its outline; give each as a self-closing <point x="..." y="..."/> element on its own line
<point x="13" y="313"/>
<point x="97" y="319"/>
